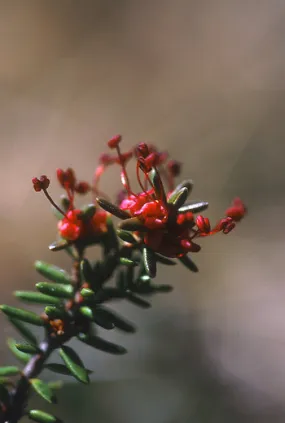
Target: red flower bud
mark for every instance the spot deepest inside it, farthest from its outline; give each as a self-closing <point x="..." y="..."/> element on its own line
<point x="66" y="178"/>
<point x="115" y="141"/>
<point x="41" y="183"/>
<point x="142" y="150"/>
<point x="203" y="224"/>
<point x="82" y="187"/>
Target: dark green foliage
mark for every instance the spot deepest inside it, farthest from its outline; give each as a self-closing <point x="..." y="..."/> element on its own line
<point x="102" y="344"/>
<point x="43" y="390"/>
<point x="55" y="290"/>
<point x="36" y="297"/>
<point x="9" y="371"/>
<point x="42" y="417"/>
<point x="23" y="357"/>
<point x="186" y="260"/>
<point x="53" y="273"/>
<point x="24" y="331"/>
<point x="74" y="364"/>
<point x="21" y="314"/>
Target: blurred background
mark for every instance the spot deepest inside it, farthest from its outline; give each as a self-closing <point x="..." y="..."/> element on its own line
<point x="205" y="80"/>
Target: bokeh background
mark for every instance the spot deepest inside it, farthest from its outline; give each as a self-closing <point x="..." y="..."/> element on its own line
<point x="203" y="79"/>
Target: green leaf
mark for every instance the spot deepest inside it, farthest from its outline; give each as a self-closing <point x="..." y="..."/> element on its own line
<point x="119" y="321"/>
<point x="126" y="236"/>
<point x="4" y="395"/>
<point x="138" y="301"/>
<point x="157" y="185"/>
<point x="87" y="293"/>
<point x="149" y="262"/>
<point x="54" y="312"/>
<point x="186" y="261"/>
<point x="55" y="289"/>
<point x="18" y="354"/>
<point x="88" y="211"/>
<point x="102" y="344"/>
<point x="24" y="331"/>
<point x="36" y="297"/>
<point x="180" y="198"/>
<point x="111" y="208"/>
<point x="27" y="348"/>
<point x="194" y="207"/>
<point x="127" y="262"/>
<point x="74" y="364"/>
<point x="132" y="224"/>
<point x="9" y="371"/>
<point x="53" y="273"/>
<point x="97" y="316"/>
<point x="43" y="390"/>
<point x="60" y="369"/>
<point x="164" y="260"/>
<point x="24" y="315"/>
<point x="86" y="270"/>
<point x="184" y="184"/>
<point x="62" y="244"/>
<point x="42" y="417"/>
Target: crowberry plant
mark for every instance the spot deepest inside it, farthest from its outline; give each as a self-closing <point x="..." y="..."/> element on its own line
<point x="157" y="224"/>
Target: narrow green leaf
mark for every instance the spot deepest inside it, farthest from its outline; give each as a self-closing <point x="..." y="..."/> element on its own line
<point x="157" y="185"/>
<point x="102" y="344"/>
<point x="119" y="322"/>
<point x="4" y="395"/>
<point x="180" y="198"/>
<point x="55" y="313"/>
<point x="43" y="390"/>
<point x="36" y="297"/>
<point x="62" y="244"/>
<point x="23" y="357"/>
<point x="149" y="262"/>
<point x="24" y="331"/>
<point x="87" y="293"/>
<point x="42" y="417"/>
<point x="187" y="262"/>
<point x="53" y="273"/>
<point x="126" y="236"/>
<point x="24" y="315"/>
<point x="74" y="364"/>
<point x="184" y="184"/>
<point x="55" y="289"/>
<point x="164" y="260"/>
<point x="27" y="348"/>
<point x="97" y="316"/>
<point x="86" y="270"/>
<point x="88" y="211"/>
<point x="108" y="294"/>
<point x="138" y="301"/>
<point x="111" y="208"/>
<point x="127" y="262"/>
<point x="60" y="369"/>
<point x="9" y="371"/>
<point x="132" y="224"/>
<point x="194" y="207"/>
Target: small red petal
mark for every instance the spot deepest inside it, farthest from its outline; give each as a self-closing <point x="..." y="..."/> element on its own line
<point x="82" y="187"/>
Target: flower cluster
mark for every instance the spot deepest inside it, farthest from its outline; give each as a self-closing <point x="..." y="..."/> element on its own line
<point x="159" y="216"/>
<point x="75" y="224"/>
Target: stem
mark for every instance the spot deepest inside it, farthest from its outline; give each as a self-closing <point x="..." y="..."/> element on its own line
<point x="19" y="396"/>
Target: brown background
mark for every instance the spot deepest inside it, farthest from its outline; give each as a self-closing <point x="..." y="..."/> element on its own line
<point x="204" y="79"/>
